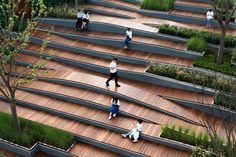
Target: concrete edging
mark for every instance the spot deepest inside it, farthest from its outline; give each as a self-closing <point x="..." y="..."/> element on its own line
<point x="219" y="112"/>
<point x="30" y="152"/>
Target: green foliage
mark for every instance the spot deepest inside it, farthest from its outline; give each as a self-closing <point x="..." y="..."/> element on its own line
<point x="53" y="3"/>
<point x="208" y="62"/>
<point x="225" y="100"/>
<point x="161" y="5"/>
<point x="234" y="54"/>
<point x="191" y="76"/>
<point x="184" y="136"/>
<point x="197" y="44"/>
<point x="33" y="132"/>
<point x="210" y="37"/>
<point x="63" y="12"/>
<point x="200" y="152"/>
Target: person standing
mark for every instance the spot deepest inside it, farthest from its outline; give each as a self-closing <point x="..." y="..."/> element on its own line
<point x="128" y="38"/>
<point x="79" y="15"/>
<point x="114" y="110"/>
<point x="210" y="17"/>
<point x="113" y="72"/>
<point x="135" y="133"/>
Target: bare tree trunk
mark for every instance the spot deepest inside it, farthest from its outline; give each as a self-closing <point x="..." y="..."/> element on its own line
<point x="222" y="46"/>
<point x="16" y="121"/>
<point x="76" y="3"/>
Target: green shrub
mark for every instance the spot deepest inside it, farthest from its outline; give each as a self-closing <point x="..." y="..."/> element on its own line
<point x="208" y="62"/>
<point x="214" y="38"/>
<point x="225" y="100"/>
<point x="197" y="44"/>
<point x="191" y="76"/>
<point x="33" y="132"/>
<point x="234" y="54"/>
<point x="53" y="3"/>
<point x="157" y="5"/>
<point x="185" y="136"/>
<point x="63" y="12"/>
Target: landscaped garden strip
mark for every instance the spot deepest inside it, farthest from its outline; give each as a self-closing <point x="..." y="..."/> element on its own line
<point x="33" y="132"/>
<point x="186" y="136"/>
<point x="208" y="61"/>
<point x="210" y="37"/>
<point x="197" y="44"/>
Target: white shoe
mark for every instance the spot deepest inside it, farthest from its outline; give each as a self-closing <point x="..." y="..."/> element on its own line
<point x="114" y="115"/>
<point x="135" y="141"/>
<point x="123" y="135"/>
<point x="109" y="117"/>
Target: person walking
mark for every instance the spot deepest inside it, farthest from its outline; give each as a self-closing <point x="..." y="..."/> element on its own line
<point x="135" y="133"/>
<point x="128" y="37"/>
<point x="79" y="15"/>
<point x="210" y="17"/>
<point x="113" y="72"/>
<point x="114" y="110"/>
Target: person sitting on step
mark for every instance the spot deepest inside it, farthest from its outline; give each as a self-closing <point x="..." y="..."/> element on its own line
<point x="135" y="133"/>
<point x="85" y="19"/>
<point x="114" y="110"/>
<point x="128" y="38"/>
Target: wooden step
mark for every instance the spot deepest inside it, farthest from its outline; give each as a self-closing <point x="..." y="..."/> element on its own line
<point x="87" y="112"/>
<point x="88" y="59"/>
<point x="5" y="153"/>
<point x="98" y="134"/>
<point x="141" y="39"/>
<point x="188" y="13"/>
<point x="193" y="3"/>
<point x="85" y="150"/>
<point x="119" y="51"/>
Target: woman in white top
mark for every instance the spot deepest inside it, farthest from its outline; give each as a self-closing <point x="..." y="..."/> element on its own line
<point x="135" y="133"/>
<point x="210" y="17"/>
<point x="114" y="110"/>
<point x="79" y="15"/>
<point x="85" y="19"/>
<point x="128" y="37"/>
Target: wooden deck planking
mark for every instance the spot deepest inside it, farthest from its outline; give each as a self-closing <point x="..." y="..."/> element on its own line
<point x="121" y="36"/>
<point x="88" y="59"/>
<point x="194" y="3"/>
<point x="5" y="153"/>
<point x="121" y="51"/>
<point x="140" y="22"/>
<point x="123" y="3"/>
<point x="188" y="13"/>
<point x="134" y="86"/>
<point x="93" y="133"/>
<point x="85" y="150"/>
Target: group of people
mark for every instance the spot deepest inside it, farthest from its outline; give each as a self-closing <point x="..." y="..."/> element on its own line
<point x="114" y="111"/>
<point x="82" y="20"/>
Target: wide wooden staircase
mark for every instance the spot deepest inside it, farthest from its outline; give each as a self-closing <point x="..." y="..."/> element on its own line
<point x="74" y="98"/>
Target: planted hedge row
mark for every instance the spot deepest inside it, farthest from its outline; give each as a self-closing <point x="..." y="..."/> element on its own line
<point x="33" y="132"/>
<point x="185" y="136"/>
<point x="159" y="5"/>
<point x="191" y="76"/>
<point x="63" y="12"/>
<point x="208" y="61"/>
<point x="214" y="38"/>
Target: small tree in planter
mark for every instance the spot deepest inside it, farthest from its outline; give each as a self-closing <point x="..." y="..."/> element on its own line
<point x="224" y="10"/>
<point x="16" y="27"/>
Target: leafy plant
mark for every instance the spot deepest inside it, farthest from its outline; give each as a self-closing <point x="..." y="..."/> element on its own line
<point x="234" y="54"/>
<point x="197" y="44"/>
<point x="208" y="62"/>
<point x="157" y="5"/>
<point x="33" y="132"/>
<point x="214" y="38"/>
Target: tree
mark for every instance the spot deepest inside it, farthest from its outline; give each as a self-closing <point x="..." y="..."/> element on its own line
<point x="224" y="11"/>
<point x="16" y="26"/>
<point x="225" y="108"/>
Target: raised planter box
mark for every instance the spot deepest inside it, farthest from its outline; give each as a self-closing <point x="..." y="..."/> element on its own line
<point x="31" y="152"/>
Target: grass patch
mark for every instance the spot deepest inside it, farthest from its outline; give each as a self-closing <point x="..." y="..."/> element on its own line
<point x="197" y="44"/>
<point x="208" y="62"/>
<point x="160" y="5"/>
<point x="33" y="132"/>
